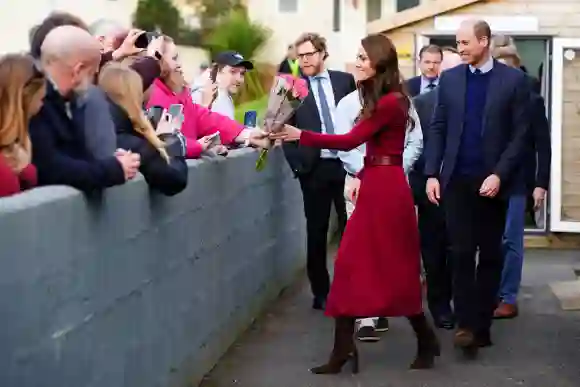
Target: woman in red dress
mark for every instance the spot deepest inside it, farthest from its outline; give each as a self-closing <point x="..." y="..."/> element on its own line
<point x="377" y="270"/>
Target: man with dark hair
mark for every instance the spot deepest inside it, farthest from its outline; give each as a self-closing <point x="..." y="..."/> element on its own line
<point x="320" y="172"/>
<point x="476" y="144"/>
<point x="434" y="243"/>
<point x="430" y="58"/>
<point x="53" y="20"/>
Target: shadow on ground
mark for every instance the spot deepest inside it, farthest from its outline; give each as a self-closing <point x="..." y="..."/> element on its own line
<point x="541" y="348"/>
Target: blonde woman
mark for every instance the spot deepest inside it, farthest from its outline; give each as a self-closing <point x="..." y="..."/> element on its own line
<point x="22" y="89"/>
<point x="124" y="89"/>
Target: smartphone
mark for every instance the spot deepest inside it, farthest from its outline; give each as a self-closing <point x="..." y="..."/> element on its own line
<point x="154" y="114"/>
<point x="142" y="40"/>
<point x="215" y="139"/>
<point x="250" y="119"/>
<point x="176" y="111"/>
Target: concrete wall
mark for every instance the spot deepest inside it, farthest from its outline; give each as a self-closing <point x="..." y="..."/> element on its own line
<point x="137" y="290"/>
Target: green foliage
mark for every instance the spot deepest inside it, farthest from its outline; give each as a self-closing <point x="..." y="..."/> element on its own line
<point x="163" y="15"/>
<point x="153" y="15"/>
<point x="258" y="105"/>
<point x="237" y="32"/>
<point x="212" y="11"/>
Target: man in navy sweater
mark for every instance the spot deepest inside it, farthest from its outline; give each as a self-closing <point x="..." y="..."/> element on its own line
<point x="477" y="140"/>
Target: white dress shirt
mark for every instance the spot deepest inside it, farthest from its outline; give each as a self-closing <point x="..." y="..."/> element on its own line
<point x="348" y="110"/>
<point x="329" y="94"/>
<point x="425" y="82"/>
<point x="484" y="68"/>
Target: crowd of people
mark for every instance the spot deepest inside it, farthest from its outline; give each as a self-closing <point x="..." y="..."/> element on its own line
<point x="433" y="171"/>
<point x="73" y="110"/>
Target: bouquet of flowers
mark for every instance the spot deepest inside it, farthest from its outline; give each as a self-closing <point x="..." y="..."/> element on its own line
<point x="286" y="95"/>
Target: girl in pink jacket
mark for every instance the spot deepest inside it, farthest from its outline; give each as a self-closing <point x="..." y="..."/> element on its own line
<point x="198" y="122"/>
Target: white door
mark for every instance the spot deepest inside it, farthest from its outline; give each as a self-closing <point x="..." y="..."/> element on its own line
<point x="565" y="184"/>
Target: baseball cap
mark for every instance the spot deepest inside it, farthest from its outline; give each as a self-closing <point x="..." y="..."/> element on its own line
<point x="234" y="59"/>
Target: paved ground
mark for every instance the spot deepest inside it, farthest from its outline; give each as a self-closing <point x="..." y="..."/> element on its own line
<point x="541" y="348"/>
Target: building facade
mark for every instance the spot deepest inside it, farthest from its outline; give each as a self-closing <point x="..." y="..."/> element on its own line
<point x="19" y="16"/>
<point x="342" y="22"/>
<point x="547" y="34"/>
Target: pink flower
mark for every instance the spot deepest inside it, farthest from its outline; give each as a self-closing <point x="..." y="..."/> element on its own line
<point x="297" y="86"/>
<point x="300" y="88"/>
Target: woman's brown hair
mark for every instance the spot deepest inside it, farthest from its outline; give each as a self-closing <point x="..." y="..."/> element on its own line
<point x="382" y="55"/>
<point x="124" y="87"/>
<point x="20" y="83"/>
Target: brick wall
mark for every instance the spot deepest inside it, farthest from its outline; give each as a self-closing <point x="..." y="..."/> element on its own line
<point x="571" y="140"/>
<point x="132" y="289"/>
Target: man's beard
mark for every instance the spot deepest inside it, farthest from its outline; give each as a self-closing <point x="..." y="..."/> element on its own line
<point x="81" y="90"/>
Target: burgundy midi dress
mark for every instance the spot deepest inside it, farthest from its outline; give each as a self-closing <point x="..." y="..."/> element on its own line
<point x="377" y="268"/>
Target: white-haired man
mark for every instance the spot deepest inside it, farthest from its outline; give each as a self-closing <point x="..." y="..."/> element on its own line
<point x="70" y="57"/>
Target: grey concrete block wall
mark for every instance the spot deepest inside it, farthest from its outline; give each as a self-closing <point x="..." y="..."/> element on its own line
<point x="133" y="289"/>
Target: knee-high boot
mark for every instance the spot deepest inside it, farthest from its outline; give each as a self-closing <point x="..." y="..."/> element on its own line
<point x="344" y="349"/>
<point x="427" y="343"/>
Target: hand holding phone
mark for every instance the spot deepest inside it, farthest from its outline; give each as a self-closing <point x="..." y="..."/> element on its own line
<point x="165" y="125"/>
<point x="215" y="139"/>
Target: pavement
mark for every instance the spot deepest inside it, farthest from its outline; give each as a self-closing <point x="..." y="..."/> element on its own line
<point x="540" y="348"/>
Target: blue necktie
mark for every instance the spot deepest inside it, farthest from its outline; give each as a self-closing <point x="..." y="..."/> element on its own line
<point x="477" y="71"/>
<point x="325" y="110"/>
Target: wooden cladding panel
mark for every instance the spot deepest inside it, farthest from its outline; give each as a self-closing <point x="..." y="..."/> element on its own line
<point x="571" y="140"/>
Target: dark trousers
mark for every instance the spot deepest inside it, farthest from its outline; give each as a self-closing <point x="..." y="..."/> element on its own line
<point x="434" y="248"/>
<point x="321" y="187"/>
<point x="474" y="223"/>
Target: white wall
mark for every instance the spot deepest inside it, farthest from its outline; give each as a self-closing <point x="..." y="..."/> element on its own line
<point x="312" y="16"/>
<point x="17" y="17"/>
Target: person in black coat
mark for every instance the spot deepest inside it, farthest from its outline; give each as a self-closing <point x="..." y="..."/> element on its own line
<point x="69" y="55"/>
<point x="162" y="163"/>
<point x="535" y="170"/>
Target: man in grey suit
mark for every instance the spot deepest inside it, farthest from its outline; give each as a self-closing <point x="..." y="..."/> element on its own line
<point x="434" y="246"/>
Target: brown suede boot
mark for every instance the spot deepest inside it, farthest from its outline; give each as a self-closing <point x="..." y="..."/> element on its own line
<point x="427" y="343"/>
<point x="344" y="350"/>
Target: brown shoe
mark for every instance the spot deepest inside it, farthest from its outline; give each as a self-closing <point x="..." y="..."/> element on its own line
<point x="505" y="311"/>
<point x="463" y="338"/>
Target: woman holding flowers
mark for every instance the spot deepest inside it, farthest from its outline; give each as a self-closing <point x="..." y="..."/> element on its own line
<point x="377" y="270"/>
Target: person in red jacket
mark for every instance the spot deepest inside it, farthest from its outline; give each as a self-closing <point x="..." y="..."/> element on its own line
<point x="22" y="89"/>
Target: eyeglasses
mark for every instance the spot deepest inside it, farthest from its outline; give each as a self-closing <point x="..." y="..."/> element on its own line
<point x="307" y="55"/>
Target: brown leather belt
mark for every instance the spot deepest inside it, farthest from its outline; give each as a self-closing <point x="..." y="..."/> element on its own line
<point x="383" y="160"/>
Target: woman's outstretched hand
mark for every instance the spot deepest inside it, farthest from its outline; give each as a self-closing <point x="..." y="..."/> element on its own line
<point x="286" y="133"/>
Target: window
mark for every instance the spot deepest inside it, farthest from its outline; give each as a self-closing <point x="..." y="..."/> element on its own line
<point x="288" y="5"/>
<point x="336" y="16"/>
<point x="374" y="10"/>
<point x="407" y="4"/>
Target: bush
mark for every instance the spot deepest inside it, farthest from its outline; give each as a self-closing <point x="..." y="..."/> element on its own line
<point x="163" y="16"/>
<point x="238" y="33"/>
